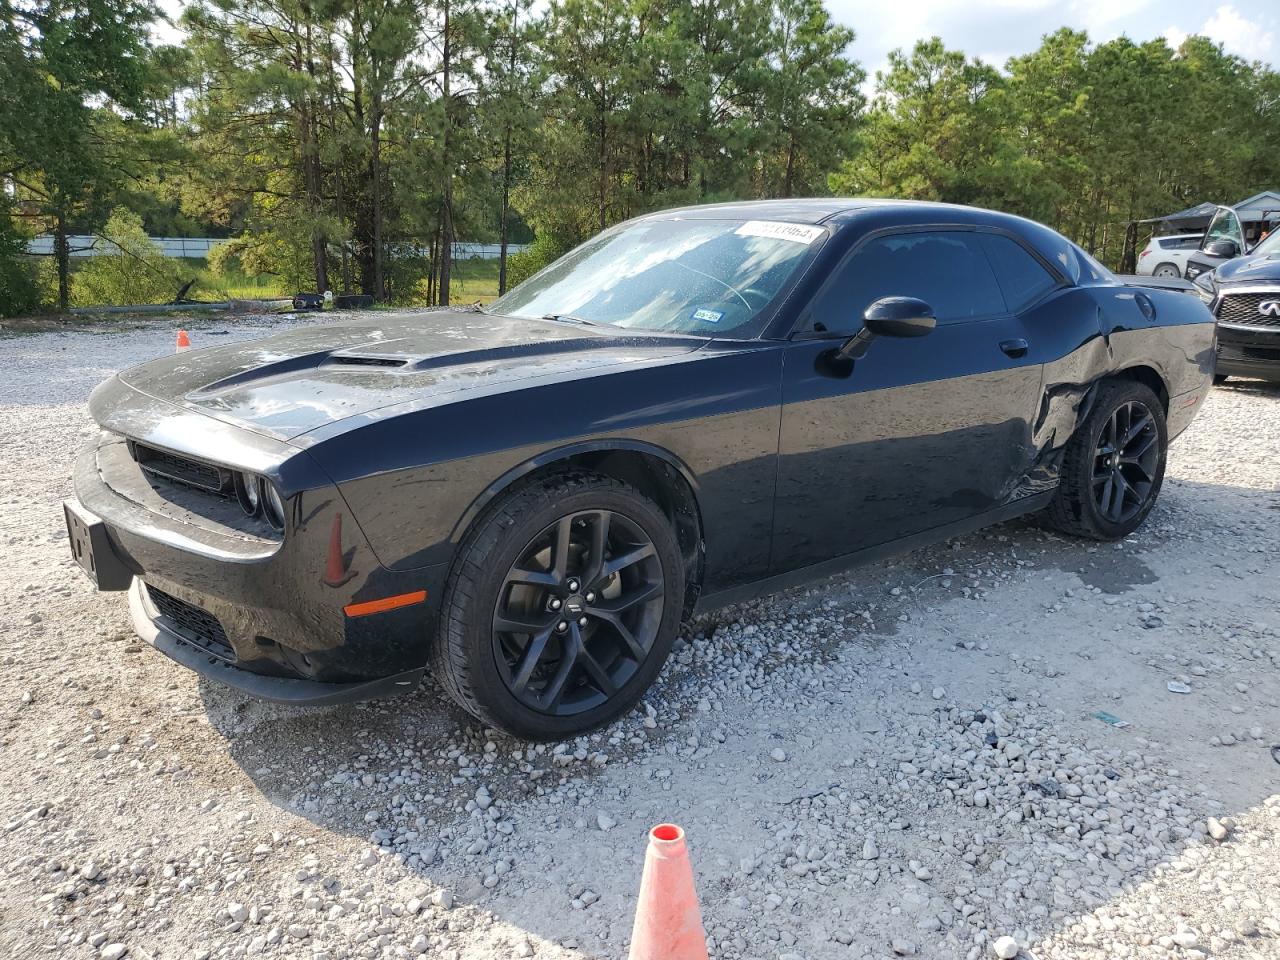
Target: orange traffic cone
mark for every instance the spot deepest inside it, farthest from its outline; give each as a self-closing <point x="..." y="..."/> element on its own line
<point x="184" y="342"/>
<point x="335" y="567"/>
<point x="668" y="922"/>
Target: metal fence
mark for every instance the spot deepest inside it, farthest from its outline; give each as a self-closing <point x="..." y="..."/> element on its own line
<point x="199" y="247"/>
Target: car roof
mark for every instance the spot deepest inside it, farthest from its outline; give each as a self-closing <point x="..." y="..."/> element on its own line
<point x="839" y="211"/>
<point x="805" y="210"/>
<point x="853" y="217"/>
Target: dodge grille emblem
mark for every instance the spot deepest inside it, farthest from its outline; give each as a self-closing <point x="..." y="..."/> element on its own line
<point x="1269" y="308"/>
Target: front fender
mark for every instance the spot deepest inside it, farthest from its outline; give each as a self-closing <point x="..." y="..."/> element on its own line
<point x="415" y="481"/>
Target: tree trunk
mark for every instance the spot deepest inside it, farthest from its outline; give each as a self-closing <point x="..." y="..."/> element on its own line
<point x="63" y="254"/>
<point x="446" y="205"/>
<point x="604" y="166"/>
<point x="375" y="176"/>
<point x="506" y="212"/>
<point x="311" y="184"/>
<point x="312" y="174"/>
<point x="339" y="205"/>
<point x="791" y="167"/>
<point x="506" y="166"/>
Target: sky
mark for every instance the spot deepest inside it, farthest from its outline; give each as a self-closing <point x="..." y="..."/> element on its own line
<point x="994" y="30"/>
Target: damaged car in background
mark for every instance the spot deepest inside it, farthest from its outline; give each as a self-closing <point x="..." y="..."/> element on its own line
<point x="527" y="499"/>
<point x="1244" y="294"/>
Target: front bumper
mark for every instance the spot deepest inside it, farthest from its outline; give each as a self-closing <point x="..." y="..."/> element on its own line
<point x="1248" y="352"/>
<point x="158" y="631"/>
<point x="264" y="615"/>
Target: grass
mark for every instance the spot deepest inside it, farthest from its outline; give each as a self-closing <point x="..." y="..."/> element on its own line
<point x="474" y="280"/>
<point x="232" y="284"/>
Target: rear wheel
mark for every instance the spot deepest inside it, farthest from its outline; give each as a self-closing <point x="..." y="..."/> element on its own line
<point x="562" y="607"/>
<point x="1114" y="465"/>
<point x="1166" y="270"/>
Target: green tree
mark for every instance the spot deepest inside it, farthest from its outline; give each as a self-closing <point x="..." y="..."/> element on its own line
<point x="811" y="102"/>
<point x="19" y="292"/>
<point x="260" y="116"/>
<point x="509" y="110"/>
<point x="74" y="82"/>
<point x="132" y="270"/>
<point x="936" y="131"/>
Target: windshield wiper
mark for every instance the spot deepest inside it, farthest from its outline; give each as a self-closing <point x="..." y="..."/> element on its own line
<point x="570" y="318"/>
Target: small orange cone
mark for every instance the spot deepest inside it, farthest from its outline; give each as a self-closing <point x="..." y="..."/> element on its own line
<point x="668" y="922"/>
<point x="335" y="568"/>
<point x="184" y="342"/>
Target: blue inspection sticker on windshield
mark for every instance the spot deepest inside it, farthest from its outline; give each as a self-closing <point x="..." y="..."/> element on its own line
<point x="709" y="316"/>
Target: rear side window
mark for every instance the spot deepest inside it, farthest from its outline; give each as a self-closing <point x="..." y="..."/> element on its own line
<point x="1022" y="278"/>
<point x="1180" y="243"/>
<point x="949" y="270"/>
<point x="1092" y="273"/>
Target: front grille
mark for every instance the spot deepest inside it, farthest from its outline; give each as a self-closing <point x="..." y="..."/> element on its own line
<point x="1233" y="351"/>
<point x="1242" y="308"/>
<point x="184" y="470"/>
<point x="198" y="627"/>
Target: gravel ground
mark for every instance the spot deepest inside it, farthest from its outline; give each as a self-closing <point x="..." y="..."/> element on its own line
<point x="902" y="761"/>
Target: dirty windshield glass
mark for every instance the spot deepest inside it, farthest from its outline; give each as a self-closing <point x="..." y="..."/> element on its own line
<point x="710" y="277"/>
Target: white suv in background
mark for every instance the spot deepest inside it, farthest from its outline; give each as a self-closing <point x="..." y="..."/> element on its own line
<point x="1167" y="256"/>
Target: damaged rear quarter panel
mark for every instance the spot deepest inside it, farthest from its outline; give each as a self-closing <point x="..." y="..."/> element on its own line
<point x="1176" y="344"/>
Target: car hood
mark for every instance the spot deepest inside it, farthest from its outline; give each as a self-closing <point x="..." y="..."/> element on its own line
<point x="290" y="383"/>
<point x="1265" y="267"/>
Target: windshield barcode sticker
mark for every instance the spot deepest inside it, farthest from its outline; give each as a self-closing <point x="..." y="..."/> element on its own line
<point x="804" y="233"/>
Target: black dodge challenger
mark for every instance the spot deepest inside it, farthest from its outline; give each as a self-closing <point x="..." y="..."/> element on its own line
<point x="694" y="407"/>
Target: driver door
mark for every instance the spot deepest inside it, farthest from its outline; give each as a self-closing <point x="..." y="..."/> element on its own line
<point x="918" y="433"/>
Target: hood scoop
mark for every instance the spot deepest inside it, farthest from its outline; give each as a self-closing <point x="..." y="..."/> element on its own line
<point x="353" y="360"/>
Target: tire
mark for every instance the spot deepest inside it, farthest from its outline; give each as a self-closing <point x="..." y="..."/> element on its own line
<point x="1166" y="270"/>
<point x="509" y="573"/>
<point x="1088" y="481"/>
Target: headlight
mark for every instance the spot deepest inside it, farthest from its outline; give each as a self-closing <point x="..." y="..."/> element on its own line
<point x="273" y="505"/>
<point x="1206" y="287"/>
<point x="249" y="493"/>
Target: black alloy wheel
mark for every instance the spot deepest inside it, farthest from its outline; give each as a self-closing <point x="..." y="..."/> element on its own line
<point x="578" y="612"/>
<point x="1125" y="462"/>
<point x="561" y="607"/>
<point x="1113" y="466"/>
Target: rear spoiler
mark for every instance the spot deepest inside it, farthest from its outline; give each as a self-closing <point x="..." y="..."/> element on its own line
<point x="1158" y="283"/>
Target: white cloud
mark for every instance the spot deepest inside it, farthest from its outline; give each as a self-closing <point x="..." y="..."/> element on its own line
<point x="1096" y="15"/>
<point x="1238" y="34"/>
<point x="1174" y="37"/>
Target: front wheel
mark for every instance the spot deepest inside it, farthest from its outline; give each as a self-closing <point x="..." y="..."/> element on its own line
<point x="1114" y="465"/>
<point x="562" y="607"/>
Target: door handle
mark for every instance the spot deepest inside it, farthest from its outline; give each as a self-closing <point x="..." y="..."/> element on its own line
<point x="1015" y="348"/>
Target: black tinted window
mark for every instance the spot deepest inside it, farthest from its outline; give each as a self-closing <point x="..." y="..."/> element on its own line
<point x="947" y="270"/>
<point x="1022" y="277"/>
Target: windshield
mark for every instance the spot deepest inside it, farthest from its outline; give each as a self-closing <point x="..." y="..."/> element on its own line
<point x="1225" y="225"/>
<point x="709" y="277"/>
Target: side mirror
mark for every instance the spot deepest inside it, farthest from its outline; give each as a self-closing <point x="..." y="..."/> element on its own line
<point x="1224" y="249"/>
<point x="890" y="317"/>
